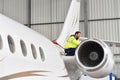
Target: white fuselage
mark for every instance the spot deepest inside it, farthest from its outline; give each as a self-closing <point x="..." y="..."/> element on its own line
<point x="27" y="55"/>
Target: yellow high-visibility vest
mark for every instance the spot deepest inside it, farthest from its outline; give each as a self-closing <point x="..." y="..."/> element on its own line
<point x="72" y="42"/>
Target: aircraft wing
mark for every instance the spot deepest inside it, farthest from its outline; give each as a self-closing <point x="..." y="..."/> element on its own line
<point x="109" y="43"/>
<point x="112" y="43"/>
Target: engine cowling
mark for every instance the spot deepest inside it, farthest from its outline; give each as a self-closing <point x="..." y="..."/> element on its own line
<point x="94" y="58"/>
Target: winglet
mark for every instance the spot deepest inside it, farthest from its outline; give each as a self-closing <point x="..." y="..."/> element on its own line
<point x="71" y="24"/>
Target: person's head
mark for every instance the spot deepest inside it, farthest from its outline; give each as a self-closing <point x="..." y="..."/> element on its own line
<point x="77" y="34"/>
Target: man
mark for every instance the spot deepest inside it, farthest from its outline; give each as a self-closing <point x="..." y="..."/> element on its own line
<point x="72" y="43"/>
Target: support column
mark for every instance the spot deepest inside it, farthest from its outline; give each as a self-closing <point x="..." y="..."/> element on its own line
<point x="85" y="2"/>
<point x="29" y="14"/>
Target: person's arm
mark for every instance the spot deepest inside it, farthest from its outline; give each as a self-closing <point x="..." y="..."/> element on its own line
<point x="77" y="42"/>
<point x="74" y="41"/>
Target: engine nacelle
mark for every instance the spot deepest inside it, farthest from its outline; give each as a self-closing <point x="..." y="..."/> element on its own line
<point x="94" y="58"/>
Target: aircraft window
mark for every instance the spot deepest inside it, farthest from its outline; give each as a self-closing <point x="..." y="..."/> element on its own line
<point x="11" y="44"/>
<point x="33" y="51"/>
<point x="42" y="54"/>
<point x="23" y="47"/>
<point x="1" y="43"/>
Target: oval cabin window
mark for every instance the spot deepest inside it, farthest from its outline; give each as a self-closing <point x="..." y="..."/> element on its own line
<point x="1" y="42"/>
<point x="42" y="54"/>
<point x="11" y="44"/>
<point x="34" y="51"/>
<point x="23" y="48"/>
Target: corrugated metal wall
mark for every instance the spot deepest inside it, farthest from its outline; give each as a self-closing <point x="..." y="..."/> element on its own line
<point x="16" y="9"/>
<point x="104" y="14"/>
<point x="51" y="14"/>
<point x="41" y="17"/>
<point x="1" y="6"/>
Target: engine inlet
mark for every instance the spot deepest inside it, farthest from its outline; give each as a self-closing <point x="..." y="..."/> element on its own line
<point x="90" y="53"/>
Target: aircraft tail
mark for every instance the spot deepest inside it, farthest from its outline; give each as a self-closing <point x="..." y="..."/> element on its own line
<point x="71" y="24"/>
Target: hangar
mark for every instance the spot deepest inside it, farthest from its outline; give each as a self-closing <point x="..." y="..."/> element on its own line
<point x="98" y="18"/>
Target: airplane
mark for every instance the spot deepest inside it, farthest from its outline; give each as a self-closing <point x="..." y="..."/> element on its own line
<point x="27" y="55"/>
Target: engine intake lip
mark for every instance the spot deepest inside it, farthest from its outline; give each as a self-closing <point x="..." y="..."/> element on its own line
<point x="90" y="53"/>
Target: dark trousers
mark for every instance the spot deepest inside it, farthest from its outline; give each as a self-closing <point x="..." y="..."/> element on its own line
<point x="70" y="51"/>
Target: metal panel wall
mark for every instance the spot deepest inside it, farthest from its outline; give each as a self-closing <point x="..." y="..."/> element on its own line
<point x="52" y="31"/>
<point x="100" y="9"/>
<point x="51" y="13"/>
<point x="103" y="19"/>
<point x="43" y="29"/>
<point x="41" y="12"/>
<point x="16" y="9"/>
<point x="1" y="5"/>
<point x="59" y="10"/>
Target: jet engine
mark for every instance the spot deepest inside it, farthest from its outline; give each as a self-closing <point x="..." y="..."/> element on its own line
<point x="94" y="58"/>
